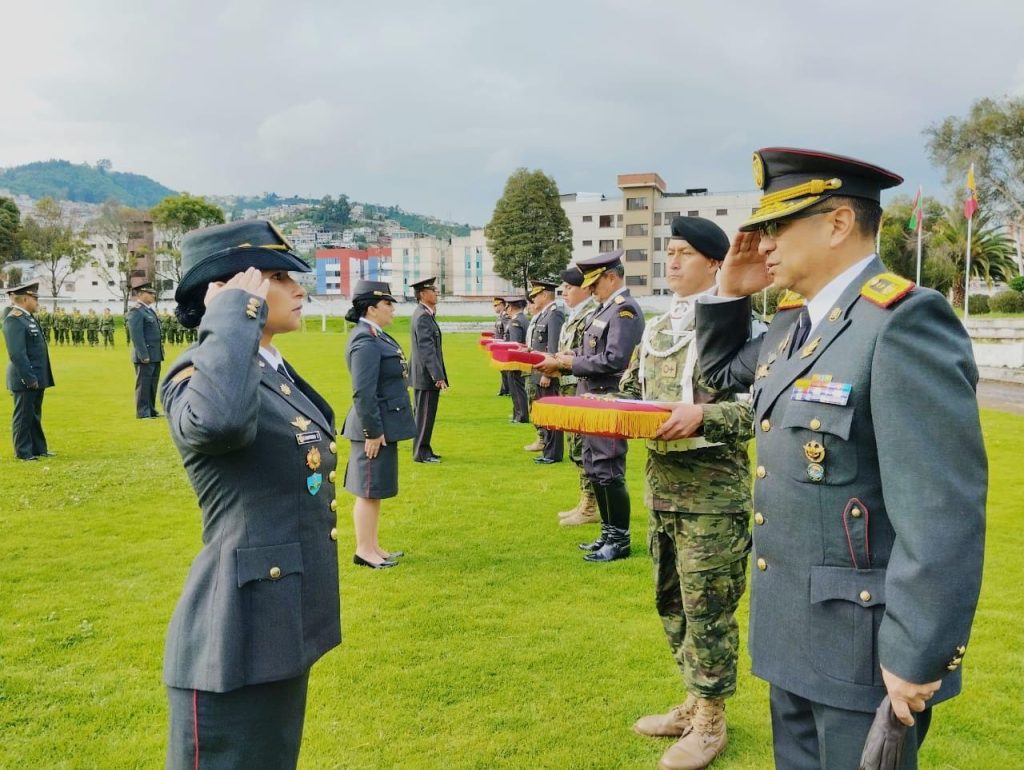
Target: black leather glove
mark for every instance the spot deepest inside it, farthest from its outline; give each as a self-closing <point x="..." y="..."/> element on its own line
<point x="883" y="747"/>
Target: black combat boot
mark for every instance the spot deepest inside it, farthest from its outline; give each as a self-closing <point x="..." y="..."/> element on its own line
<point x="616" y="514"/>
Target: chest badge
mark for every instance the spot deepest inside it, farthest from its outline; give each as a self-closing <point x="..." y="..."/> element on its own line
<point x="301" y="422"/>
<point x="285" y="389"/>
<point x="834" y="315"/>
<point x="810" y="348"/>
<point x="313" y="483"/>
<point x="814" y="452"/>
<point x="668" y="369"/>
<point x="815" y="472"/>
<point x="313" y="459"/>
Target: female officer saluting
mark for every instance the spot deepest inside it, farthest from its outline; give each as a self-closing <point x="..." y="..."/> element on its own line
<point x="260" y="604"/>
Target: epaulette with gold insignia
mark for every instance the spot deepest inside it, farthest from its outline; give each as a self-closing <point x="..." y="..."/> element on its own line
<point x="626" y="314"/>
<point x="619" y="300"/>
<point x="886" y="289"/>
<point x="790" y="300"/>
<point x="15" y="313"/>
<point x="184" y="374"/>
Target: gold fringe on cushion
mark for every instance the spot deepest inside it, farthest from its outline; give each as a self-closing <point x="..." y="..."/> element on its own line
<point x="598" y="422"/>
<point x="512" y="366"/>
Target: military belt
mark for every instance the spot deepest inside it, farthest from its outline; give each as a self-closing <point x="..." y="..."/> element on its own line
<point x="679" y="445"/>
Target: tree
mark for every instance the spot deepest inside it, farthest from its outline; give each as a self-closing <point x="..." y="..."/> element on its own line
<point x="898" y="244"/>
<point x="175" y="216"/>
<point x="992" y="138"/>
<point x="114" y="226"/>
<point x="992" y="252"/>
<point x="331" y="214"/>
<point x="48" y="238"/>
<point x="529" y="233"/>
<point x="10" y="224"/>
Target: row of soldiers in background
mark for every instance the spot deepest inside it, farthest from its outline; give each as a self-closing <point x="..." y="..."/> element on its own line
<point x="77" y="329"/>
<point x="173" y="333"/>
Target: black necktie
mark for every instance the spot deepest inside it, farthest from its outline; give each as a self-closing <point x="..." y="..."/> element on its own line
<point x="803" y="328"/>
<point x="284" y="372"/>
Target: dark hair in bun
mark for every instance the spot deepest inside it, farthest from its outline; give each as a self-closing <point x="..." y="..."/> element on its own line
<point x="359" y="308"/>
<point x="190" y="313"/>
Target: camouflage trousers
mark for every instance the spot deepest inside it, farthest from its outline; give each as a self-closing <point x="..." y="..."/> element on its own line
<point x="700" y="563"/>
<point x="574" y="445"/>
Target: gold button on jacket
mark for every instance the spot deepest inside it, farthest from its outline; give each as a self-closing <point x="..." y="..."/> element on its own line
<point x="761" y="472"/>
<point x="275" y="573"/>
<point x="762" y="565"/>
<point x="758" y="518"/>
<point x="865" y="596"/>
<point x="334" y="533"/>
<point x="766" y="425"/>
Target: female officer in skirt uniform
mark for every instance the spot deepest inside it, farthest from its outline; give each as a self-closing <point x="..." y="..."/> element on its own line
<point x="380" y="417"/>
<point x="260" y="604"/>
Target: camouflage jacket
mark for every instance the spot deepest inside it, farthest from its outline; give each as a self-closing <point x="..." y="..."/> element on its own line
<point x="570" y="339"/>
<point x="712" y="479"/>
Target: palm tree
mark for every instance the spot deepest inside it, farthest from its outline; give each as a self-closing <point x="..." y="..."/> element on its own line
<point x="992" y="252"/>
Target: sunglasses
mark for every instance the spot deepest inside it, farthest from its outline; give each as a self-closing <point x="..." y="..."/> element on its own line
<point x="771" y="229"/>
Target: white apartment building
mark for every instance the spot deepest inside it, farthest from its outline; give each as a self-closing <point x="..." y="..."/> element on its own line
<point x="472" y="269"/>
<point x="415" y="256"/>
<point x="638" y="221"/>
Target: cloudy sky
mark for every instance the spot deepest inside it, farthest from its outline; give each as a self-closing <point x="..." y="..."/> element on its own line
<point x="432" y="103"/>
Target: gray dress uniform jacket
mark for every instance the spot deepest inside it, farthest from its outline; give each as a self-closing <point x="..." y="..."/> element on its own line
<point x="144" y="330"/>
<point x="29" y="359"/>
<point x="426" y="357"/>
<point x="611" y="335"/>
<point x="380" y="395"/>
<point x="515" y="329"/>
<point x="869" y="495"/>
<point x="547" y="327"/>
<point x="261" y="600"/>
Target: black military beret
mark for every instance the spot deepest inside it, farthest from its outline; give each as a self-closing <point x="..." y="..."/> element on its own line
<point x="703" y="234"/>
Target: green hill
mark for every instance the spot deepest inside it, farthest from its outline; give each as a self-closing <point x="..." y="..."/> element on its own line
<point x="83" y="183"/>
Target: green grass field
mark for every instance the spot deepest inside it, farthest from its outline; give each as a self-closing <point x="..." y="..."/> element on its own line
<point x="493" y="645"/>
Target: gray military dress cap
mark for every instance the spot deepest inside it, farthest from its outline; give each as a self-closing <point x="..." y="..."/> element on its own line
<point x="212" y="253"/>
<point x="372" y="291"/>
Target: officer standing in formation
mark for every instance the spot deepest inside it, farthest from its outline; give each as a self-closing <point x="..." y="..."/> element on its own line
<point x="260" y="605"/>
<point x="581" y="304"/>
<point x="28" y="373"/>
<point x="697" y="490"/>
<point x="107" y="328"/>
<point x="500" y="321"/>
<point x="515" y="331"/>
<point x="611" y="335"/>
<point x="143" y="325"/>
<point x="429" y="377"/>
<point x="868" y="554"/>
<point x="547" y="327"/>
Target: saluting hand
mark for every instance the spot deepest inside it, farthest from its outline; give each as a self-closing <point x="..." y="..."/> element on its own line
<point x="906" y="696"/>
<point x="251" y="281"/>
<point x="743" y="271"/>
<point x="373" y="446"/>
<point x="684" y="422"/>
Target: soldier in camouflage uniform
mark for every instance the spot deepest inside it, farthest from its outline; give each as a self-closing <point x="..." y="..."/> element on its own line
<point x="92" y="328"/>
<point x="698" y="492"/>
<point x="77" y="328"/>
<point x="581" y="304"/>
<point x="107" y="328"/>
<point x="166" y="324"/>
<point x="61" y="325"/>
<point x="45" y="321"/>
<point x="500" y="321"/>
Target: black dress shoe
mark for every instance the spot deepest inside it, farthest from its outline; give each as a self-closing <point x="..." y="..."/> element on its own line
<point x="597" y="545"/>
<point x="544" y="461"/>
<point x="608" y="552"/>
<point x="361" y="562"/>
<point x="431" y="460"/>
<point x="394" y="555"/>
<point x="436" y="457"/>
<point x="155" y="415"/>
<point x="26" y="459"/>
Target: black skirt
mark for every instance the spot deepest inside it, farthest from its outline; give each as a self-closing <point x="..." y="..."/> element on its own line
<point x="375" y="479"/>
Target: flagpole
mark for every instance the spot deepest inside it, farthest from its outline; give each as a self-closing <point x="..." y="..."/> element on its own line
<point x="967" y="280"/>
<point x="920" y="227"/>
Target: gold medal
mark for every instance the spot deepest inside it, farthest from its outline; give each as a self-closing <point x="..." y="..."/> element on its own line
<point x="814" y="451"/>
<point x="313" y="458"/>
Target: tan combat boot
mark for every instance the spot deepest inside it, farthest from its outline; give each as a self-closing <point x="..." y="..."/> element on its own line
<point x="670" y="725"/>
<point x="536" y="446"/>
<point x="585" y="513"/>
<point x="705" y="740"/>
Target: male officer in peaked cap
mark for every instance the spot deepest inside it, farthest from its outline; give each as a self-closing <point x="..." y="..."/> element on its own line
<point x="547" y="326"/>
<point x="28" y="373"/>
<point x="147" y="350"/>
<point x="611" y="335"/>
<point x="426" y="368"/>
<point x="515" y="331"/>
<point x="500" y="320"/>
<point x="869" y="496"/>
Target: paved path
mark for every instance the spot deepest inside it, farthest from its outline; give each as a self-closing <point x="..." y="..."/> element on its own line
<point x="1004" y="396"/>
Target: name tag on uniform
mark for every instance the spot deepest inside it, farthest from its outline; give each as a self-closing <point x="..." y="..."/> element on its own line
<point x="820" y="389"/>
<point x="309" y="437"/>
<point x="598" y="323"/>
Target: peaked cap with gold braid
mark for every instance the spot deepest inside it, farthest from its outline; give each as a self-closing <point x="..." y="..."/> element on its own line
<point x="218" y="252"/>
<point x="594" y="267"/>
<point x="794" y="179"/>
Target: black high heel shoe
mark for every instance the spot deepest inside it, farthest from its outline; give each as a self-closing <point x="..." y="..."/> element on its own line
<point x="359" y="561"/>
